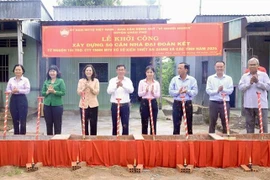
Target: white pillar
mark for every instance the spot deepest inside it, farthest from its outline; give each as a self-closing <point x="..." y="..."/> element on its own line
<point x="243" y="64"/>
<point x="244" y="53"/>
<point x="160" y="82"/>
<point x="20" y="42"/>
<point x="225" y="59"/>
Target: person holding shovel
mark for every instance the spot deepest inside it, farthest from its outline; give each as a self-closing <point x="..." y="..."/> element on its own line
<point x="183" y="87"/>
<point x="149" y="90"/>
<point x="18" y="86"/>
<point x="53" y="90"/>
<point x="88" y="88"/>
<point x="251" y="84"/>
<point x="120" y="88"/>
<point x="217" y="86"/>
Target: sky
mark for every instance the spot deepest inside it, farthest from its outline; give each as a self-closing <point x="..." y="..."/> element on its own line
<point x="184" y="11"/>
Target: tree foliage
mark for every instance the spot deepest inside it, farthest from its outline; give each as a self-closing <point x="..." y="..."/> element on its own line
<point x="88" y="2"/>
<point x="150" y="2"/>
<point x="168" y="72"/>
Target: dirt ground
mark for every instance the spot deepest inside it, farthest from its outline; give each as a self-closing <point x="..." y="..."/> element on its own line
<point x="118" y="173"/>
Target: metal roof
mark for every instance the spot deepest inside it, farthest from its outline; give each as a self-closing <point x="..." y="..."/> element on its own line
<point x="214" y="18"/>
<point x="23" y="9"/>
<point x="255" y="19"/>
<point x="232" y="14"/>
<point x="252" y="19"/>
<point x="106" y="12"/>
<point x="78" y="20"/>
<point x="104" y="22"/>
<point x="222" y="17"/>
<point x="239" y="27"/>
<point x="19" y="19"/>
<point x="17" y="0"/>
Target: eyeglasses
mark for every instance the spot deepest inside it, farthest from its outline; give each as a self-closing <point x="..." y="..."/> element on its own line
<point x="252" y="64"/>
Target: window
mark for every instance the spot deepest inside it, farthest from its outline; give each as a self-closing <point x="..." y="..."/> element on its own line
<point x="8" y="26"/>
<point x="101" y="70"/>
<point x="4" y="68"/>
<point x="11" y="43"/>
<point x="204" y="71"/>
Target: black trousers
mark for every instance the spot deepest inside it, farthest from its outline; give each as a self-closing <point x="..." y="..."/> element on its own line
<point x="124" y="115"/>
<point x="91" y="114"/>
<point x="178" y="114"/>
<point x="53" y="118"/>
<point x="217" y="108"/>
<point x="145" y="115"/>
<point x="18" y="110"/>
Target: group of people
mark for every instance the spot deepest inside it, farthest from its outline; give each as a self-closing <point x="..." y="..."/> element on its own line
<point x="53" y="89"/>
<point x="183" y="87"/>
<point x="219" y="87"/>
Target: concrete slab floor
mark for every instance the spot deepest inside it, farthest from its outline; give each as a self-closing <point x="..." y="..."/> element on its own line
<point x="71" y="124"/>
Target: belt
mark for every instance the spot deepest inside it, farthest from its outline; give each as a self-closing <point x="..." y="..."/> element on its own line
<point x="121" y="104"/>
<point x="219" y="102"/>
<point x="147" y="100"/>
<point x="178" y="101"/>
<point x="18" y="95"/>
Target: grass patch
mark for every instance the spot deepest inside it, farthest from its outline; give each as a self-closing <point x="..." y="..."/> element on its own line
<point x="14" y="171"/>
<point x="164" y="102"/>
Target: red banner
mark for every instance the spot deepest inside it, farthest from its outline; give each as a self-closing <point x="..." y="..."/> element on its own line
<point x="133" y="40"/>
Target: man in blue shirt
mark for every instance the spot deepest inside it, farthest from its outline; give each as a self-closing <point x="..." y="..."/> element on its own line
<point x="184" y="86"/>
<point x="251" y="83"/>
<point x="218" y="84"/>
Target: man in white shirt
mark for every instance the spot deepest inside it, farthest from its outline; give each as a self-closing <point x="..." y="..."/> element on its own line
<point x="119" y="88"/>
<point x="219" y="84"/>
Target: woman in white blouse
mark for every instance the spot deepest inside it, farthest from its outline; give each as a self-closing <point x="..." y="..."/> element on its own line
<point x="149" y="88"/>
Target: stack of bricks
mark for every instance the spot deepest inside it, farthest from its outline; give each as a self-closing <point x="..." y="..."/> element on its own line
<point x="78" y="165"/>
<point x="248" y="168"/>
<point x="185" y="169"/>
<point x="135" y="169"/>
<point x="33" y="166"/>
<point x="131" y="168"/>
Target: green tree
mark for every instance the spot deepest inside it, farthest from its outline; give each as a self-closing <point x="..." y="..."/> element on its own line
<point x="88" y="2"/>
<point x="168" y="72"/>
<point x="150" y="2"/>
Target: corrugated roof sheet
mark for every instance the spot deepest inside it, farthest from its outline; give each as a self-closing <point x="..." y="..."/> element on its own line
<point x="233" y="15"/>
<point x="252" y="19"/>
<point x="237" y="28"/>
<point x="255" y="19"/>
<point x="10" y="19"/>
<point x="19" y="19"/>
<point x="20" y="9"/>
<point x="102" y="21"/>
<point x="98" y="7"/>
<point x="23" y="9"/>
<point x="214" y="18"/>
<point x="221" y="17"/>
<point x="106" y="13"/>
<point x="78" y="20"/>
<point x="17" y="0"/>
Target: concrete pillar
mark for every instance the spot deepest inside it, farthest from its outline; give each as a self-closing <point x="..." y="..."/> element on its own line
<point x="243" y="53"/>
<point x="225" y="59"/>
<point x="243" y="63"/>
<point x="20" y="42"/>
<point x="160" y="82"/>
